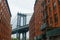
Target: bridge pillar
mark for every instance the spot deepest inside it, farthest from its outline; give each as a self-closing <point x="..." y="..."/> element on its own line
<point x="24" y="36"/>
<point x="18" y="36"/>
<point x="24" y="20"/>
<point x="19" y="21"/>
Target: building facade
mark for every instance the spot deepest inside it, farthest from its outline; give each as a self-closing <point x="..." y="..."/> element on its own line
<point x="36" y="21"/>
<point x="45" y="22"/>
<point x="5" y="18"/>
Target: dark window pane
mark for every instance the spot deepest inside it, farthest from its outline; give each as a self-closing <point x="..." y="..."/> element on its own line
<point x="54" y="5"/>
<point x="48" y="0"/>
<point x="50" y="10"/>
<point x="56" y="17"/>
<point x="59" y="2"/>
<point x="51" y="20"/>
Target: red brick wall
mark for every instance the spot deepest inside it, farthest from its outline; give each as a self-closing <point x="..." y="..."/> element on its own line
<point x="37" y="18"/>
<point x="53" y="12"/>
<point x="5" y="26"/>
<point x="36" y="21"/>
<point x="32" y="28"/>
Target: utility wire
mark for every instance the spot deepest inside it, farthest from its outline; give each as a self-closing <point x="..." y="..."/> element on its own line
<point x="14" y="19"/>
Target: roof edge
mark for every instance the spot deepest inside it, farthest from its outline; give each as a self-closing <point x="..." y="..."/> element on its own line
<point x="8" y="8"/>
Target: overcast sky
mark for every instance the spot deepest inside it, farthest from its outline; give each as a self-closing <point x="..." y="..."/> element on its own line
<point x="22" y="6"/>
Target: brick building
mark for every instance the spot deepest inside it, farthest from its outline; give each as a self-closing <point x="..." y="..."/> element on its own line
<point x="45" y="22"/>
<point x="5" y="18"/>
<point x="36" y="21"/>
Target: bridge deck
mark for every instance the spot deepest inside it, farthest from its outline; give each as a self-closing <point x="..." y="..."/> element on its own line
<point x="20" y="29"/>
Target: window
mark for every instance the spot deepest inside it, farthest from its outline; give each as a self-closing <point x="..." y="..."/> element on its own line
<point x="43" y="13"/>
<point x="47" y="22"/>
<point x="59" y="2"/>
<point x="51" y="21"/>
<point x="44" y="21"/>
<point x="50" y="10"/>
<point x="45" y="17"/>
<point x="48" y="1"/>
<point x="54" y="5"/>
<point x="56" y="18"/>
<point x="43" y="3"/>
<point x="46" y="14"/>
